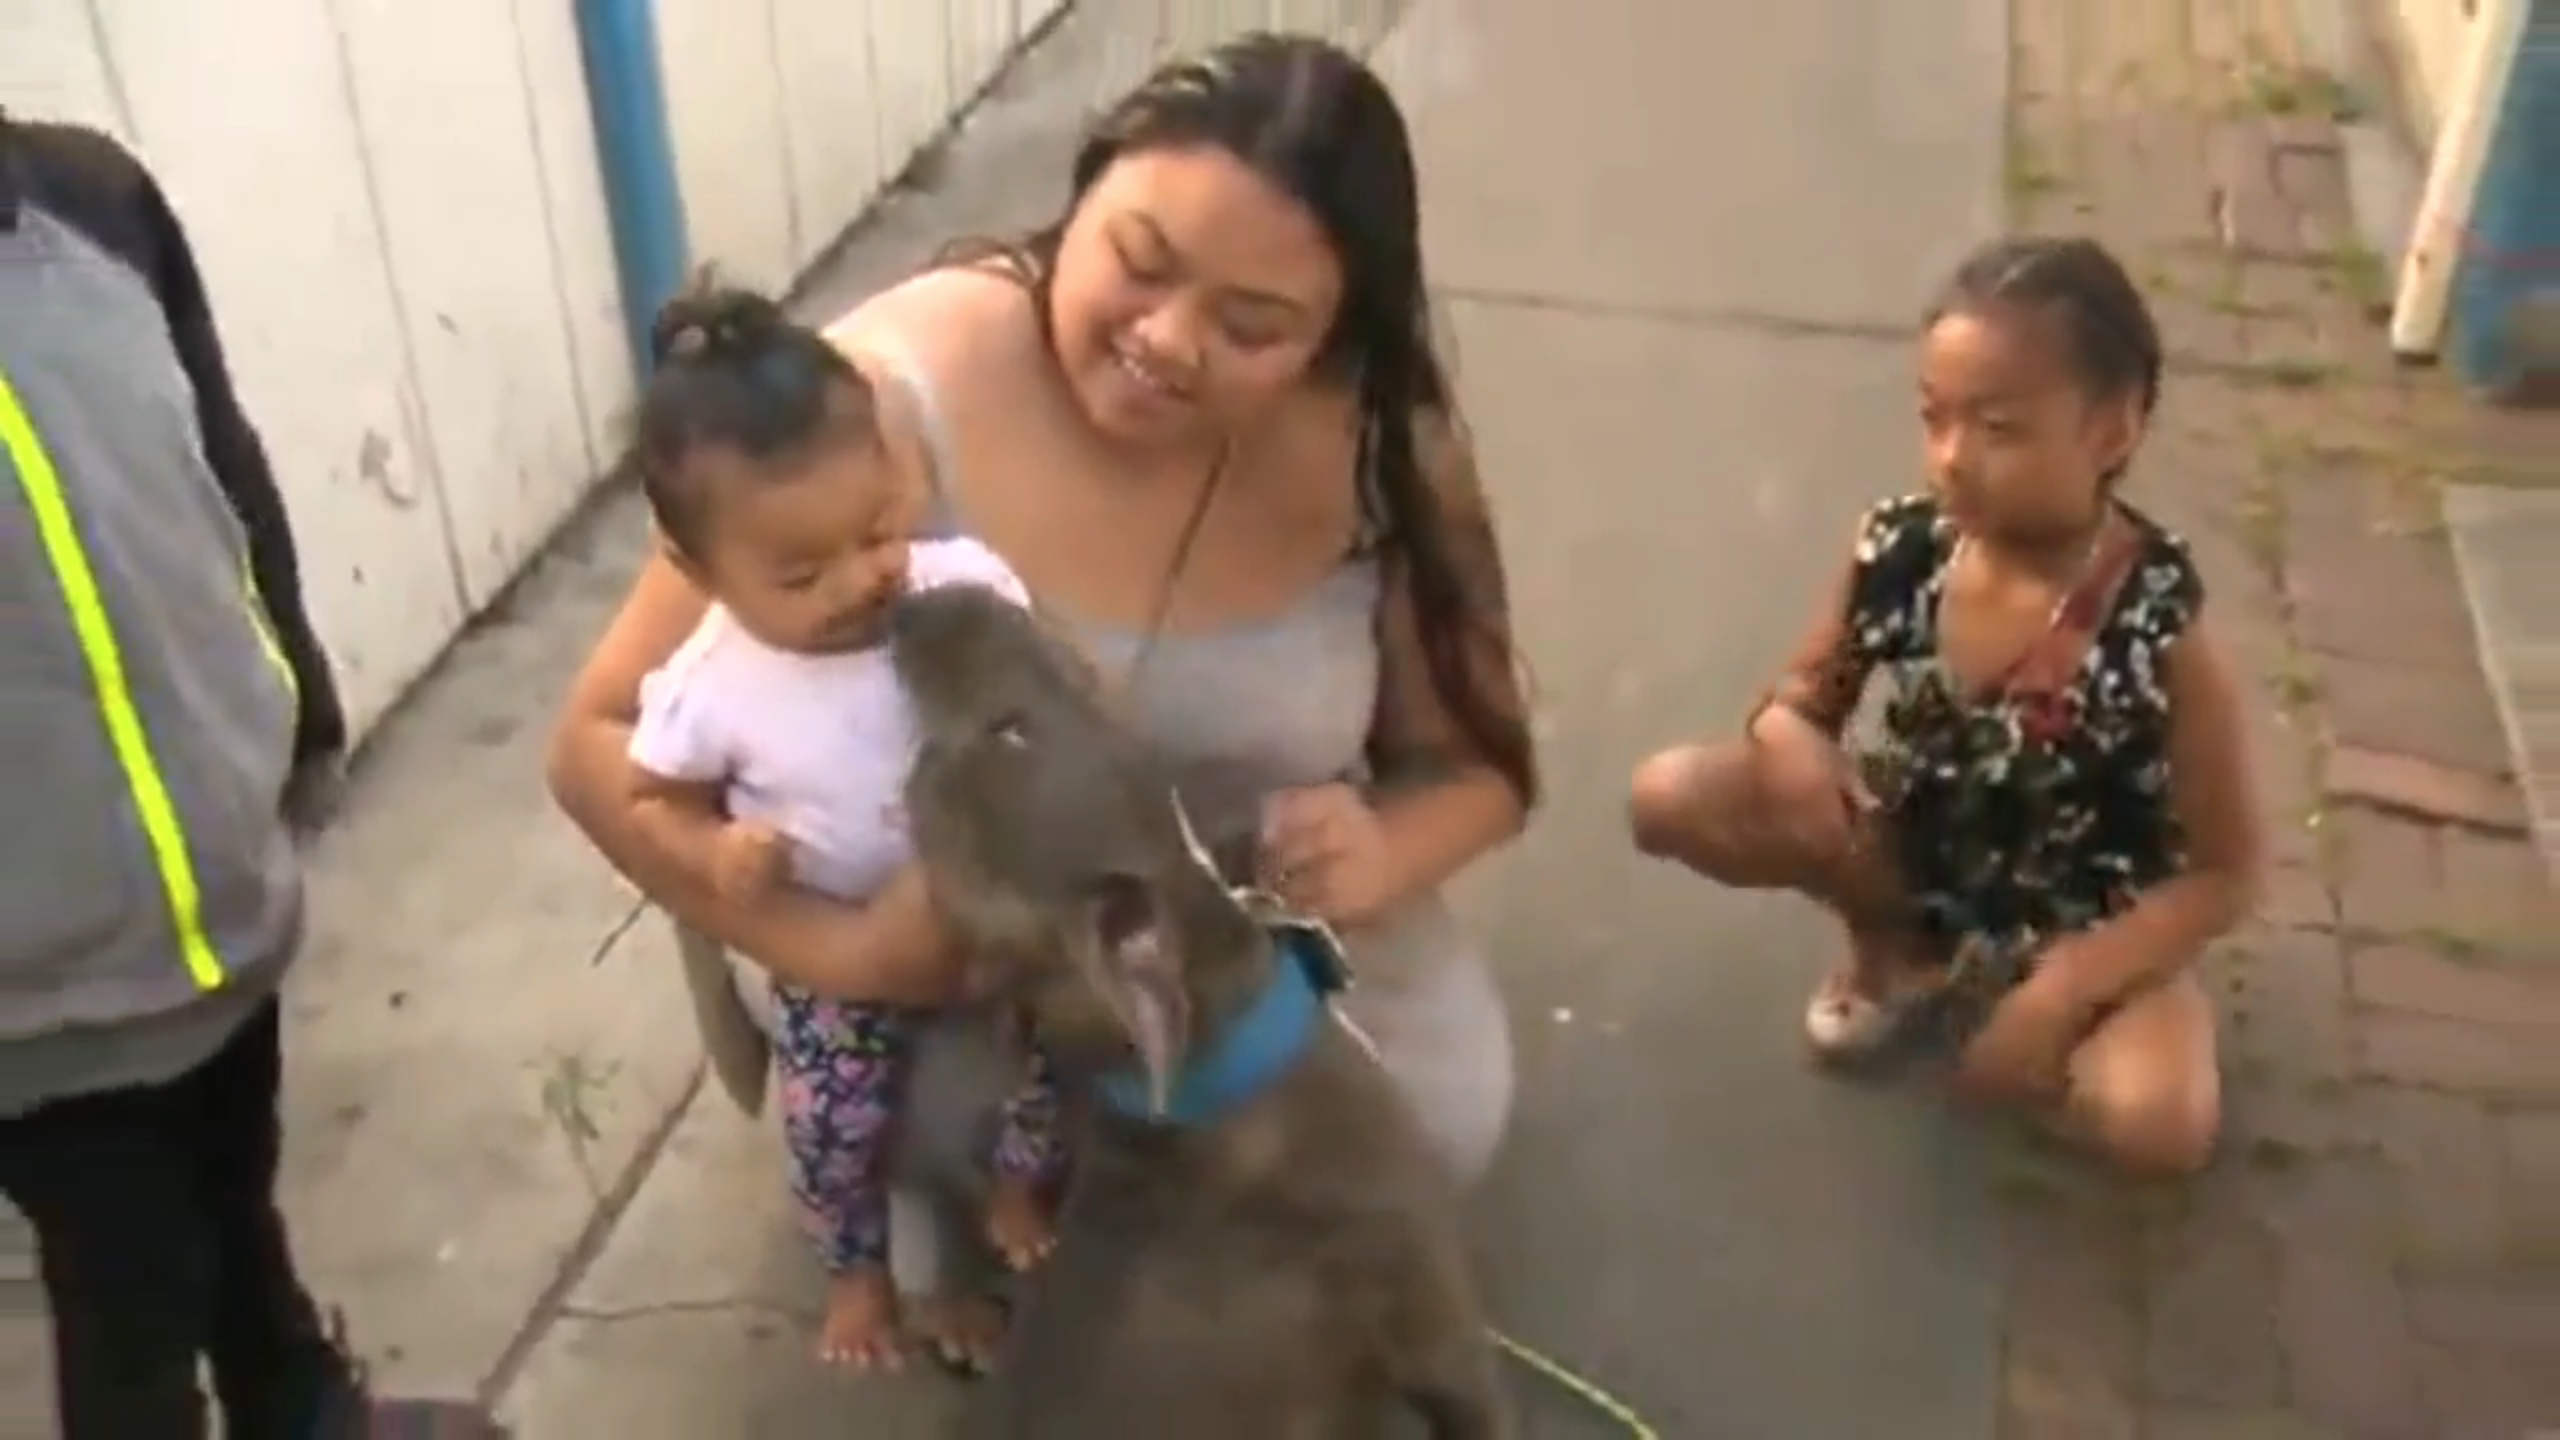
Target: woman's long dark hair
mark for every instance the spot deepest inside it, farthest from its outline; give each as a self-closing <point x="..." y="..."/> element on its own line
<point x="1317" y="123"/>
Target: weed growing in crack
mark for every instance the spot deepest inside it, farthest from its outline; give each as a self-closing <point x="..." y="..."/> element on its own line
<point x="2288" y="372"/>
<point x="574" y="1097"/>
<point x="2294" y="677"/>
<point x="2360" y="273"/>
<point x="2295" y="681"/>
<point x="2229" y="293"/>
<point x="2261" y="516"/>
<point x="2025" y="178"/>
<point x="2452" y="945"/>
<point x="2273" y="88"/>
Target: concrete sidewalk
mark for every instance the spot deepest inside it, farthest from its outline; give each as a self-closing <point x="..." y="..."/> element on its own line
<point x="1679" y="257"/>
<point x="2375" y="1255"/>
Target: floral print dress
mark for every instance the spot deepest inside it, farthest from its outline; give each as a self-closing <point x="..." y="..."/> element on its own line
<point x="2011" y="824"/>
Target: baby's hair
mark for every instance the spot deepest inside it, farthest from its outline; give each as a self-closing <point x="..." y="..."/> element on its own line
<point x="734" y="371"/>
<point x="2111" y="339"/>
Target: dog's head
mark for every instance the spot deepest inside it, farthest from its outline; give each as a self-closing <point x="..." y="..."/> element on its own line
<point x="1059" y="851"/>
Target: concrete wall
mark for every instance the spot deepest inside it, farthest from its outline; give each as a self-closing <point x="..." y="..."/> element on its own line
<point x="398" y="210"/>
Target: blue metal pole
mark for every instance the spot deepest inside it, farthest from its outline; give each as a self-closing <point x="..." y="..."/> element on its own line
<point x="644" y="204"/>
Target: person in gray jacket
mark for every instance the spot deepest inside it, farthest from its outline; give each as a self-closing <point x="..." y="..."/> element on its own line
<point x="165" y="710"/>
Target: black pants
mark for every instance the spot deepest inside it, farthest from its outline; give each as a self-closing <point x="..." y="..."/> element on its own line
<point x="161" y="1248"/>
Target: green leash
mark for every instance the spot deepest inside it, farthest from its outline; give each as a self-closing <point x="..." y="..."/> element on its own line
<point x="1556" y="1373"/>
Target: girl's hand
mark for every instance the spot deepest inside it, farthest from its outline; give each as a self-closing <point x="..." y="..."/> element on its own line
<point x="1814" y="794"/>
<point x="2022" y="1053"/>
<point x="1324" y="853"/>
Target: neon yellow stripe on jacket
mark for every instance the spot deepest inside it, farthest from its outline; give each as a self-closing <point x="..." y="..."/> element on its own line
<point x="116" y="710"/>
<point x="267" y="640"/>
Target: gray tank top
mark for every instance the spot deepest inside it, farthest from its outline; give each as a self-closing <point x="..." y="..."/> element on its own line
<point x="1246" y="709"/>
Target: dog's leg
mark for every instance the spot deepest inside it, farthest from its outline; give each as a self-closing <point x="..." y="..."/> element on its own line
<point x="1445" y="1363"/>
<point x="1458" y="1391"/>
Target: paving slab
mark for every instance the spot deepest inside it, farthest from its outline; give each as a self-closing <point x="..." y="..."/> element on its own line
<point x="482" y="1046"/>
<point x="696" y="1320"/>
<point x="1682" y="1208"/>
<point x="1815" y="164"/>
<point x="2503" y="540"/>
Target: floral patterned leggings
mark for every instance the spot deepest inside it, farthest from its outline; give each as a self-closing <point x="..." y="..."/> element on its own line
<point x="844" y="1070"/>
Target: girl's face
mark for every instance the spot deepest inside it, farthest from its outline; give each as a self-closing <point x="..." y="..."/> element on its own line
<point x="808" y="559"/>
<point x="2016" y="444"/>
<point x="1189" y="296"/>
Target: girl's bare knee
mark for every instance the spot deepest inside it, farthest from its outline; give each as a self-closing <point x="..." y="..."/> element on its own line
<point x="1700" y="806"/>
<point x="2146" y="1086"/>
<point x="1665" y="803"/>
<point x="2164" y="1130"/>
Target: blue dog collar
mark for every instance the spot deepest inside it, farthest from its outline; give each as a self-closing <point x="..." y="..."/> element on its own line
<point x="1254" y="1051"/>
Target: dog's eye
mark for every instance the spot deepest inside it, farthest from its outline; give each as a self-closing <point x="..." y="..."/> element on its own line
<point x="1012" y="733"/>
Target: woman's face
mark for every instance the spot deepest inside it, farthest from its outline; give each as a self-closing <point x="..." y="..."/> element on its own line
<point x="1189" y="296"/>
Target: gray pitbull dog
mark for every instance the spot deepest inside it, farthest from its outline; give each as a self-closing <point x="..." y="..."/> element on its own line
<point x="1257" y="1242"/>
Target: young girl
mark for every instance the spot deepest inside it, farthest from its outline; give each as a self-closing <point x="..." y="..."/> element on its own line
<point x="757" y="448"/>
<point x="2059" y="816"/>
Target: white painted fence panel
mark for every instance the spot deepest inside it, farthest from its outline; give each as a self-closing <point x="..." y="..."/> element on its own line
<point x="267" y="164"/>
<point x="399" y="214"/>
<point x="398" y="211"/>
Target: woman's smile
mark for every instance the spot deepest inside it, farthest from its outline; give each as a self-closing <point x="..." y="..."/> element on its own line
<point x="1156" y="383"/>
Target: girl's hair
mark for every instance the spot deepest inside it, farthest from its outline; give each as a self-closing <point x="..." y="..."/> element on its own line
<point x="733" y="371"/>
<point x="2111" y="340"/>
<point x="1316" y="123"/>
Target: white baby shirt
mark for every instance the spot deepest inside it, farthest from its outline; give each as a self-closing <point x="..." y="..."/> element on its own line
<point x="816" y="746"/>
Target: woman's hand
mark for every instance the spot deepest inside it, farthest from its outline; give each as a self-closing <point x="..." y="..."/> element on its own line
<point x="1324" y="852"/>
<point x="2022" y="1053"/>
<point x="896" y="947"/>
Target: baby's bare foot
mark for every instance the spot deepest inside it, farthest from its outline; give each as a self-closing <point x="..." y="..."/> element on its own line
<point x="1018" y="1223"/>
<point x="861" y="1324"/>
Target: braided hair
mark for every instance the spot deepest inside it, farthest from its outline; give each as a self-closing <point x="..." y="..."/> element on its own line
<point x="2109" y="335"/>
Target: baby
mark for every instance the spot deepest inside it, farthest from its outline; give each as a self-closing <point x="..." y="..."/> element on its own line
<point x="757" y="448"/>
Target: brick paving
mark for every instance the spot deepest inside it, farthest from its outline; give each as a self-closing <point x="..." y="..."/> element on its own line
<point x="2377" y="1253"/>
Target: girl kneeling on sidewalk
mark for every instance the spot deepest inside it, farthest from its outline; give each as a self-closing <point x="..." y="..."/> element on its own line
<point x="2060" y="815"/>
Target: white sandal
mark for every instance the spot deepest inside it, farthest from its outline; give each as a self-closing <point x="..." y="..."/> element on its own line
<point x="1843" y="1023"/>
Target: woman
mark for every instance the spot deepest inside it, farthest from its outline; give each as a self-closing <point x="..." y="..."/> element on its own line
<point x="1202" y="417"/>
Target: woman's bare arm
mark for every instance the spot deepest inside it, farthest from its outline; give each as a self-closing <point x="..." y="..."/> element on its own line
<point x="889" y="951"/>
<point x="2214" y="795"/>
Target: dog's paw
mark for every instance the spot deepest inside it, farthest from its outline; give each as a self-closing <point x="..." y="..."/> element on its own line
<point x="1018" y="1225"/>
<point x="964" y="1333"/>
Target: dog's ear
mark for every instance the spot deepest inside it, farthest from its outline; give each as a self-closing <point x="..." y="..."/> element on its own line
<point x="1127" y="957"/>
